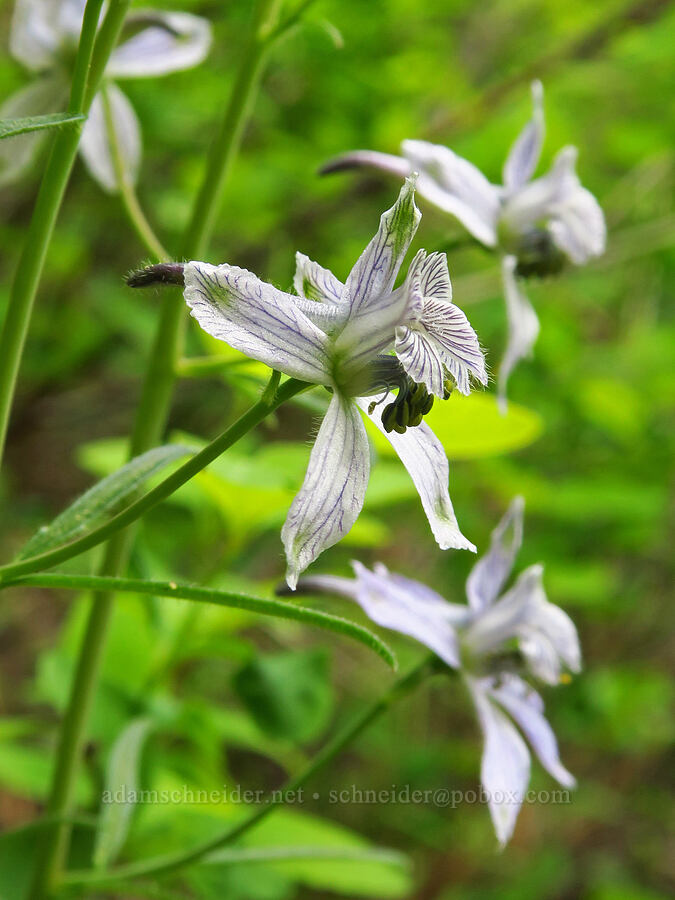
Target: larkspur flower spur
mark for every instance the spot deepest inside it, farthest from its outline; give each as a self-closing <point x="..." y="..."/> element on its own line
<point x="477" y="639"/>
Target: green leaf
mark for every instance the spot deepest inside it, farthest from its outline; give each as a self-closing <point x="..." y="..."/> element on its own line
<point x="13" y="127"/>
<point x="288" y="695"/>
<point x="102" y="500"/>
<point x="472" y="427"/>
<point x="122" y="780"/>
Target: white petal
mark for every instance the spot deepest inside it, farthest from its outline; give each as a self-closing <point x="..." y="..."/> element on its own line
<point x="393" y="605"/>
<point x="523" y="325"/>
<point x="41" y="29"/>
<point x="456" y="186"/>
<point x="578" y="226"/>
<point x="235" y="306"/>
<point x="419" y="358"/>
<point x="539" y="199"/>
<point x="313" y="282"/>
<point x="449" y="328"/>
<point x="374" y="274"/>
<point x="526" y="707"/>
<point x="332" y="494"/>
<point x="172" y="42"/>
<point x="489" y="575"/>
<point x="386" y="162"/>
<point x="505" y="767"/>
<point x="17" y="154"/>
<point x="434" y="276"/>
<point x="95" y="145"/>
<point x="423" y="455"/>
<point x="524" y="155"/>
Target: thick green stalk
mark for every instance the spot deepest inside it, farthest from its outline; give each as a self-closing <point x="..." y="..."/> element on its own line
<point x="174" y="861"/>
<point x="92" y="56"/>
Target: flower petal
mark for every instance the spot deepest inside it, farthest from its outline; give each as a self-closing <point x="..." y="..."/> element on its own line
<point x="488" y="576"/>
<point x="235" y="306"/>
<point x="524" y="155"/>
<point x="95" y="144"/>
<point x="313" y="282"/>
<point x="423" y="455"/>
<point x="578" y="226"/>
<point x="173" y="41"/>
<point x="395" y="606"/>
<point x="456" y="613"/>
<point x="458" y="342"/>
<point x="505" y="766"/>
<point x="40" y="30"/>
<point x="374" y="274"/>
<point x="526" y="706"/>
<point x="17" y="154"/>
<point x="332" y="494"/>
<point x="456" y="186"/>
<point x="523" y="326"/>
<point x="419" y="358"/>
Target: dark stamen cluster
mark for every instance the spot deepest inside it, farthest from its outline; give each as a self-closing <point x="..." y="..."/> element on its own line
<point x="538" y="255"/>
<point x="412" y="403"/>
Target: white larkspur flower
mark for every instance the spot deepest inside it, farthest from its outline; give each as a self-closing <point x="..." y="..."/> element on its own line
<point x="534" y="224"/>
<point x="475" y="639"/>
<point x="334" y="334"/>
<point x="43" y="38"/>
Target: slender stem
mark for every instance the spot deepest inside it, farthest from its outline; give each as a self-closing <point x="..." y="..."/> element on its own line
<point x="280" y="609"/>
<point x="126" y="188"/>
<point x="92" y="55"/>
<point x="164" y="489"/>
<point x="174" y="861"/>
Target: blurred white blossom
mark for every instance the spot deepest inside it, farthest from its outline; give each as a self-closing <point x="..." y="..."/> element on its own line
<point x="43" y="38"/>
<point x="477" y="639"/>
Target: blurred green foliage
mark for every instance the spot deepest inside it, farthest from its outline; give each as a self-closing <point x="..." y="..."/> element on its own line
<point x="588" y="442"/>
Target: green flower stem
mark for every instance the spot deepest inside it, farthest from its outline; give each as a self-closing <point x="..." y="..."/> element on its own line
<point x="164" y="489"/>
<point x="277" y="608"/>
<point x="92" y="56"/>
<point x="173" y="861"/>
<point x="126" y="188"/>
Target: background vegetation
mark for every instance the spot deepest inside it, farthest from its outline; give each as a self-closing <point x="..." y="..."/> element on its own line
<point x="591" y="454"/>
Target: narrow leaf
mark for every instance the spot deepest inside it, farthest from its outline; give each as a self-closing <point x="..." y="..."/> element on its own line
<point x="234" y="855"/>
<point x="102" y="500"/>
<point x="13" y="127"/>
<point x="121" y="786"/>
<point x="277" y="608"/>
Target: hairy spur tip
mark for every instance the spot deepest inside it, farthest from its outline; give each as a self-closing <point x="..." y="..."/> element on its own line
<point x="339" y="164"/>
<point x="163" y="273"/>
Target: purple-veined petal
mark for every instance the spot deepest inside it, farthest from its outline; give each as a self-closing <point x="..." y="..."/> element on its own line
<point x="395" y="606"/>
<point x="505" y="766"/>
<point x="434" y="277"/>
<point x="523" y="326"/>
<point x="95" y="144"/>
<point x="450" y="330"/>
<point x="489" y="575"/>
<point x="313" y="282"/>
<point x="357" y="159"/>
<point x="526" y="707"/>
<point x="455" y="186"/>
<point x="524" y="155"/>
<point x="372" y="278"/>
<point x="423" y="455"/>
<point x="41" y="29"/>
<point x="172" y="41"/>
<point x="419" y="357"/>
<point x="332" y="494"/>
<point x="47" y="94"/>
<point x="235" y="306"/>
